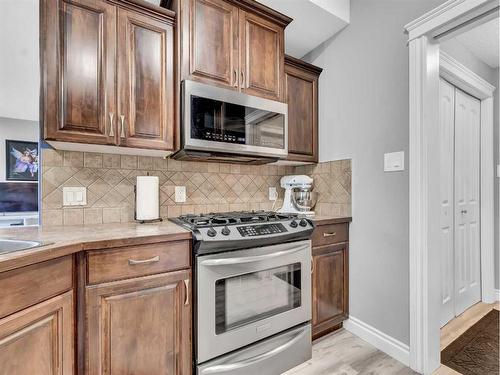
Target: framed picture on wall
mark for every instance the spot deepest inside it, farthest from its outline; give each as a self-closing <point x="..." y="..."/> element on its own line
<point x="21" y="160"/>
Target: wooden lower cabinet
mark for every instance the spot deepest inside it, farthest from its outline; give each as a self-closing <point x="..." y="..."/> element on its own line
<point x="330" y="286"/>
<point x="39" y="339"/>
<point x="140" y="326"/>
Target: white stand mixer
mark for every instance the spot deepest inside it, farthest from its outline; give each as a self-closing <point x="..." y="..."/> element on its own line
<point x="291" y="184"/>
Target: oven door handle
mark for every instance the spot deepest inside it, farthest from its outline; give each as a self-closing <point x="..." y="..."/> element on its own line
<point x="249" y="259"/>
<point x="217" y="369"/>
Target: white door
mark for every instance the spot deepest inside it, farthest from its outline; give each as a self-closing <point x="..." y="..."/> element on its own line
<point x="447" y="155"/>
<point x="460" y="186"/>
<point x="467" y="187"/>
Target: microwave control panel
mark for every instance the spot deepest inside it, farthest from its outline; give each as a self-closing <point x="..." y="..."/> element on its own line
<point x="261" y="230"/>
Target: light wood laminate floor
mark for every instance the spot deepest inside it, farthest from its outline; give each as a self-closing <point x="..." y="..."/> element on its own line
<point x="342" y="353"/>
<point x="457" y="326"/>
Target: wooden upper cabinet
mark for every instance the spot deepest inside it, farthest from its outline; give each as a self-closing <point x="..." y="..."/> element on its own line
<point x="78" y="59"/>
<point x="214" y="42"/>
<point x="140" y="326"/>
<point x="302" y="98"/>
<point x="236" y="44"/>
<point x="262" y="56"/>
<point x="108" y="73"/>
<point x="145" y="81"/>
<point x="39" y="340"/>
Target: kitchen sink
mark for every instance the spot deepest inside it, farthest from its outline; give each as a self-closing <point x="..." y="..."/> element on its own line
<point x="10" y="246"/>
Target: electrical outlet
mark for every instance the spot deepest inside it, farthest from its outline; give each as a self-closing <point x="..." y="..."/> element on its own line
<point x="180" y="194"/>
<point x="273" y="193"/>
<point x="74" y="196"/>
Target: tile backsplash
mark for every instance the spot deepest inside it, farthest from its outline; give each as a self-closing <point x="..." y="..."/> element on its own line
<point x="211" y="187"/>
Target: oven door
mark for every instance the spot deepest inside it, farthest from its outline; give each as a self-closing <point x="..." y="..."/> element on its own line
<point x="247" y="295"/>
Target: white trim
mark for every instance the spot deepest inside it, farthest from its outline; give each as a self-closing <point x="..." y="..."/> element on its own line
<point x="497" y="294"/>
<point x="450" y="13"/>
<point x="459" y="75"/>
<point x="379" y="339"/>
<point x="424" y="172"/>
<point x="424" y="205"/>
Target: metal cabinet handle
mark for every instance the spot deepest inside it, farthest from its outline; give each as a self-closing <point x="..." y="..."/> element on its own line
<point x="243" y="79"/>
<point x="326" y="234"/>
<point x="122" y="119"/>
<point x="235" y="84"/>
<point x="133" y="262"/>
<point x="463" y="212"/>
<point x="111" y="127"/>
<point x="248" y="259"/>
<point x="186" y="286"/>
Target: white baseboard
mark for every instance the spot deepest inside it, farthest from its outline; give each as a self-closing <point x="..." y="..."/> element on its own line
<point x="497" y="294"/>
<point x="378" y="339"/>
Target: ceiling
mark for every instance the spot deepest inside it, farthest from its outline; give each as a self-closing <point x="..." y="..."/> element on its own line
<point x="483" y="42"/>
<point x="314" y="21"/>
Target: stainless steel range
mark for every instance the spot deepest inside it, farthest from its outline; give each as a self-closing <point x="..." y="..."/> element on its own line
<point x="252" y="292"/>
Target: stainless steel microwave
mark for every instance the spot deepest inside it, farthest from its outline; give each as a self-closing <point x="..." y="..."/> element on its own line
<point x="218" y="124"/>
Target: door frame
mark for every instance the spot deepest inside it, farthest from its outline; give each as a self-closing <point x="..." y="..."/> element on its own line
<point x="426" y="65"/>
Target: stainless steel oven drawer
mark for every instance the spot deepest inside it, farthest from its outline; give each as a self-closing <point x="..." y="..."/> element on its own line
<point x="271" y="356"/>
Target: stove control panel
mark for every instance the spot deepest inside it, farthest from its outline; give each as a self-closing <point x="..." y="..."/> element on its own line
<point x="261" y="230"/>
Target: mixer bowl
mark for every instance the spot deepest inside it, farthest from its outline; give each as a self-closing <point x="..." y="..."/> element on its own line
<point x="304" y="200"/>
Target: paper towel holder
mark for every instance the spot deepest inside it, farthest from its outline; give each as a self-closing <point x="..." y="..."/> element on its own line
<point x="142" y="221"/>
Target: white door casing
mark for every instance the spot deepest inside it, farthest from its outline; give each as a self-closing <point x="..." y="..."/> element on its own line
<point x="467" y="201"/>
<point x="447" y="153"/>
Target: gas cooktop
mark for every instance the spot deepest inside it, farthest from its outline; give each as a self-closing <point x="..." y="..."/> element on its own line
<point x="225" y="231"/>
<point x="229" y="218"/>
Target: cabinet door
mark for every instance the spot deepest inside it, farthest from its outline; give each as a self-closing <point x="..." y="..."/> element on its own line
<point x="262" y="57"/>
<point x="140" y="326"/>
<point x="39" y="340"/>
<point x="330" y="287"/>
<point x="78" y="63"/>
<point x="213" y="30"/>
<point x="302" y="99"/>
<point x="145" y="81"/>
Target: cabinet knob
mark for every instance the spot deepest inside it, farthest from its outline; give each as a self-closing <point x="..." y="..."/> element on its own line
<point x="122" y="120"/>
<point x="111" y="127"/>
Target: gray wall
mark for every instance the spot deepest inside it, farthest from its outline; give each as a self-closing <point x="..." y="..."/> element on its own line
<point x="363" y="114"/>
<point x="460" y="53"/>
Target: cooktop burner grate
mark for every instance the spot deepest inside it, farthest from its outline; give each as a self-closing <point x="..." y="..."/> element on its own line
<point x="228" y="218"/>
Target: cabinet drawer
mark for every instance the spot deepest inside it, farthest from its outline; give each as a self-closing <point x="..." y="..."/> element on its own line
<point x="30" y="285"/>
<point x="134" y="261"/>
<point x="331" y="233"/>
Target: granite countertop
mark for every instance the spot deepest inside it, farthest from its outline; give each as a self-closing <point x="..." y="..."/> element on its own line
<point x="64" y="240"/>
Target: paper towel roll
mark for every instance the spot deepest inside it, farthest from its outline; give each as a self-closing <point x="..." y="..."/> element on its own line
<point x="147" y="198"/>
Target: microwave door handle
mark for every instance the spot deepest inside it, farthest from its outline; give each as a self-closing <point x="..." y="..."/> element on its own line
<point x="217" y="369"/>
<point x="249" y="259"/>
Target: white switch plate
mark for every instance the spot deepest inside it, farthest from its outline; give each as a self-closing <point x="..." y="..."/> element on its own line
<point x="74" y="196"/>
<point x="273" y="193"/>
<point x="180" y="194"/>
<point x="394" y="161"/>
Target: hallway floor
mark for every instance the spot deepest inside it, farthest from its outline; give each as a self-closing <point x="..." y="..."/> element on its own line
<point x="459" y="325"/>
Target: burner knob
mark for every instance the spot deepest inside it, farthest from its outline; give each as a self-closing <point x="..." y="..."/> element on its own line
<point x="293" y="224"/>
<point x="225" y="231"/>
<point x="303" y="223"/>
<point x="211" y="232"/>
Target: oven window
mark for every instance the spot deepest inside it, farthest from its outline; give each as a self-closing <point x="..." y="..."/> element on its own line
<point x="213" y="120"/>
<point x="243" y="299"/>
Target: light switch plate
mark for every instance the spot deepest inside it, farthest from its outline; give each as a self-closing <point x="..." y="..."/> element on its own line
<point x="394" y="161"/>
<point x="180" y="194"/>
<point x="74" y="196"/>
<point x="273" y="193"/>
